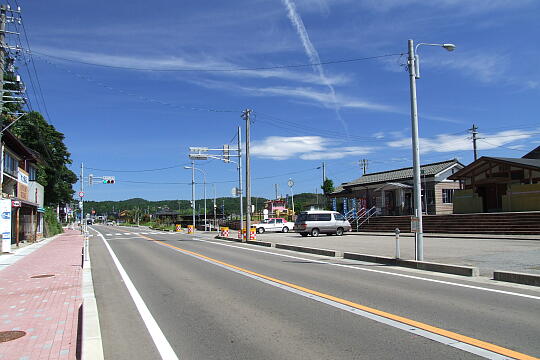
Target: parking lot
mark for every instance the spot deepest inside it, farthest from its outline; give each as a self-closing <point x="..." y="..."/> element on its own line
<point x="514" y="253"/>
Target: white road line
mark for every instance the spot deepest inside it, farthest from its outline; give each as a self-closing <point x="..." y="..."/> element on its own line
<point x="126" y="234"/>
<point x="109" y="234"/>
<point x="162" y="345"/>
<point x="396" y="324"/>
<point x="378" y="271"/>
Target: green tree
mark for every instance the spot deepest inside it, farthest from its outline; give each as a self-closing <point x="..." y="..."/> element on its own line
<point x="53" y="173"/>
<point x="327" y="187"/>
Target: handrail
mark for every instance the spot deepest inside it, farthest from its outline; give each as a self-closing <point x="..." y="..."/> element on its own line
<point x="367" y="215"/>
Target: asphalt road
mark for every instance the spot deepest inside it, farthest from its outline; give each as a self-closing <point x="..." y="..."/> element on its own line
<point x="218" y="300"/>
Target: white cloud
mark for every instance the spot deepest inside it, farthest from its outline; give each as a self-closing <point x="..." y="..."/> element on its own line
<point x="324" y="98"/>
<point x="193" y="63"/>
<point x="485" y="67"/>
<point x="303" y="147"/>
<point x="450" y="143"/>
<point x="465" y="6"/>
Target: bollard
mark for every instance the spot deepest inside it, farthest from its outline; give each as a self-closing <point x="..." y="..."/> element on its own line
<point x="190" y="229"/>
<point x="397" y="243"/>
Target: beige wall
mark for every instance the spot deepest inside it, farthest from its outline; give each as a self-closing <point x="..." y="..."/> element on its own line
<point x="466" y="201"/>
<point x="440" y="207"/>
<point x="522" y="197"/>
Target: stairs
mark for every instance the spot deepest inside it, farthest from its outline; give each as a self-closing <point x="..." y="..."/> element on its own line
<point x="510" y="223"/>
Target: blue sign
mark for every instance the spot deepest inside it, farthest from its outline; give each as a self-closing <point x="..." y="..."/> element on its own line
<point x="345" y="207"/>
<point x="353" y="206"/>
<point x="6" y="215"/>
<point x="334" y="204"/>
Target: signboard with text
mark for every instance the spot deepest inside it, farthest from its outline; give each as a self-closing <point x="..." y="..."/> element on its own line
<point x="5" y="224"/>
<point x="415" y="225"/>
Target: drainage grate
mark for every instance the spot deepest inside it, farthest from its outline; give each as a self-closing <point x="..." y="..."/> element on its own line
<point x="6" y="336"/>
<point x="41" y="276"/>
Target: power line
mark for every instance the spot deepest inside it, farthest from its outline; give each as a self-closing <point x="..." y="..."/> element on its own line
<point x="330" y="62"/>
<point x="501" y="146"/>
<point x="134" y="171"/>
<point x="140" y="97"/>
<point x="33" y="65"/>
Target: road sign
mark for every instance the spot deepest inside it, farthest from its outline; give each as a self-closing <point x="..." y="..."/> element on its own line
<point x="415" y="225"/>
<point x="16" y="203"/>
<point x="81" y="193"/>
<point x="290" y="183"/>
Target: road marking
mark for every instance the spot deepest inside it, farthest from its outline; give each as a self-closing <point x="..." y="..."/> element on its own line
<point x="109" y="234"/>
<point x="162" y="345"/>
<point x="534" y="297"/>
<point x="355" y="267"/>
<point x="465" y="343"/>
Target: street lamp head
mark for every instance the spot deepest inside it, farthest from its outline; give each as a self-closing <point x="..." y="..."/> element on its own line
<point x="449" y="47"/>
<point x="187" y="167"/>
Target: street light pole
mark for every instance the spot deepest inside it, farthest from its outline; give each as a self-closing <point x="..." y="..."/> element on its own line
<point x="193" y="192"/>
<point x="246" y="116"/>
<point x="413" y="75"/>
<point x="419" y="236"/>
<point x="193" y="168"/>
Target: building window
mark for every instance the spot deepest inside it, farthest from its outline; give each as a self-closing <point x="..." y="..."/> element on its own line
<point x="32" y="173"/>
<point x="447" y="196"/>
<point x="11" y="165"/>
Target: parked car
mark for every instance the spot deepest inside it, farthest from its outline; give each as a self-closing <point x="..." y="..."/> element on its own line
<point x="321" y="222"/>
<point x="274" y="224"/>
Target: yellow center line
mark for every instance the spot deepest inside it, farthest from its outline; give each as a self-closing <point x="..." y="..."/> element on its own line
<point x="449" y="334"/>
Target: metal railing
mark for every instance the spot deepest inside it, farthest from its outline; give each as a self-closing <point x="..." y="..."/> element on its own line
<point x="365" y="216"/>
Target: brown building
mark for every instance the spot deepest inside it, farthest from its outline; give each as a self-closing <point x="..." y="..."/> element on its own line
<point x="494" y="184"/>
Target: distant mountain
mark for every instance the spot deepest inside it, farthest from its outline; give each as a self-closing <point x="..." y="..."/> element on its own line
<point x="231" y="205"/>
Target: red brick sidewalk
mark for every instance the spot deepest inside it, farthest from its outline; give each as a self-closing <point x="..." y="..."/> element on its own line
<point x="46" y="308"/>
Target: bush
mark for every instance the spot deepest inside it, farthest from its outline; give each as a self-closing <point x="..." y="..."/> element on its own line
<point x="52" y="226"/>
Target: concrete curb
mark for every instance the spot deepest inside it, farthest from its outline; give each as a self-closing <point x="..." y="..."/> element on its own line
<point x="421" y="265"/>
<point x="92" y="347"/>
<point x="516" y="277"/>
<point x="324" y="252"/>
<point x="252" y="242"/>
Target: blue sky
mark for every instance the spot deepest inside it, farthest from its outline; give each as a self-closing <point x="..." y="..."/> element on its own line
<point x="126" y="119"/>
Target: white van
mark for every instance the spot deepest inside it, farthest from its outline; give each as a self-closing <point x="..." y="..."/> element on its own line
<point x="317" y="222"/>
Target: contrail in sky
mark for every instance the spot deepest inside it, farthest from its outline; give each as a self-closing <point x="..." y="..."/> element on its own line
<point x="312" y="54"/>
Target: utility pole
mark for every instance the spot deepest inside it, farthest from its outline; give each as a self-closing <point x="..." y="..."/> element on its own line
<point x="364" y="164"/>
<point x="276" y="186"/>
<point x="82" y="197"/>
<point x="193" y="193"/>
<point x="419" y="243"/>
<point x="240" y="178"/>
<point x="323" y="173"/>
<point x="215" y="219"/>
<point x="246" y="116"/>
<point x="2" y="65"/>
<point x="474" y="132"/>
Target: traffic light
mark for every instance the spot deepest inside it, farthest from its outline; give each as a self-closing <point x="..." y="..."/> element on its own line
<point x="108" y="179"/>
<point x="226" y="154"/>
<point x="91" y="179"/>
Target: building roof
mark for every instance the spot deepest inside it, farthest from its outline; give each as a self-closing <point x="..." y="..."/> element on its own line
<point x="533" y="154"/>
<point x="16" y="145"/>
<point x="399" y="174"/>
<point x="520" y="162"/>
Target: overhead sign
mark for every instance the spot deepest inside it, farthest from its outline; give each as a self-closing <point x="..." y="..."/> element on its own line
<point x="81" y="193"/>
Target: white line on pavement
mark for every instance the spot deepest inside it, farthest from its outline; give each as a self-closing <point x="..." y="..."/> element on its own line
<point x="161" y="342"/>
<point x="378" y="271"/>
<point x="396" y="324"/>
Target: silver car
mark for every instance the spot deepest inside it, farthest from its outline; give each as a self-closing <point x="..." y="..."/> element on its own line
<point x="317" y="222"/>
